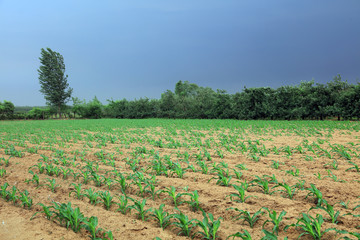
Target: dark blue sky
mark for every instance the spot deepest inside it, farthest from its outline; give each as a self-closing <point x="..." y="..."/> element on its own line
<point x="132" y="49"/>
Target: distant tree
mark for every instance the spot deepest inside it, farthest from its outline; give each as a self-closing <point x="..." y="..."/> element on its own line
<point x="53" y="80"/>
<point x="7" y="109"/>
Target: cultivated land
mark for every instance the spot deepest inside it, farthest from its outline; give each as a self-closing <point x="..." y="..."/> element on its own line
<point x="217" y="160"/>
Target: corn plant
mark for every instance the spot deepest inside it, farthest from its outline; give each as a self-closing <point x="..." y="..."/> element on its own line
<point x="294" y="172"/>
<point x="208" y="226"/>
<point x="51" y="184"/>
<point x="263" y="183"/>
<point x="46" y="210"/>
<point x="26" y="200"/>
<point x="270" y="235"/>
<point x="274" y="219"/>
<point x="66" y="172"/>
<point x="334" y="164"/>
<point x="123" y="204"/>
<point x="222" y="179"/>
<point x="238" y="174"/>
<point x="92" y="196"/>
<point x="2" y="172"/>
<point x="77" y="191"/>
<point x="194" y="201"/>
<point x="316" y="193"/>
<point x="6" y="161"/>
<point x="175" y="197"/>
<point x="12" y="195"/>
<point x="243" y="235"/>
<point x="140" y="208"/>
<point x="204" y="167"/>
<point x="246" y="216"/>
<point x="356" y="167"/>
<point x="333" y="176"/>
<point x="288" y="191"/>
<point x="91" y="225"/>
<point x="184" y="223"/>
<point x="161" y="216"/>
<point x="68" y="216"/>
<point x="4" y="193"/>
<point x="107" y="199"/>
<point x="329" y="209"/>
<point x="39" y="166"/>
<point x="310" y="226"/>
<point x="240" y="195"/>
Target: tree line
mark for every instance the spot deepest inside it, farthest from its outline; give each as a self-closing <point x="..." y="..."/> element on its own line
<point x="309" y="100"/>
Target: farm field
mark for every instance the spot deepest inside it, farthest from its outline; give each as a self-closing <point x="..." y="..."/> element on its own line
<point x="207" y="179"/>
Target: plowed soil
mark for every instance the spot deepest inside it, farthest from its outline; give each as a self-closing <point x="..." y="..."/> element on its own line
<point x="307" y="164"/>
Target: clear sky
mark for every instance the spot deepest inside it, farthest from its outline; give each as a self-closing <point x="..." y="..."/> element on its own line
<point x="140" y="48"/>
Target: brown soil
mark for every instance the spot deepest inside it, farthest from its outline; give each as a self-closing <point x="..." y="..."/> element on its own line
<point x="15" y="221"/>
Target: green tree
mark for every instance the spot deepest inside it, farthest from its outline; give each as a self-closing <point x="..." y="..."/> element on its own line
<point x="53" y="80"/>
<point x="6" y="109"/>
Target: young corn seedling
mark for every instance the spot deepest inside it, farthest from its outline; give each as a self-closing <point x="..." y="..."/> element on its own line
<point x="2" y="172"/>
<point x="329" y="209"/>
<point x="39" y="166"/>
<point x="314" y="192"/>
<point x="183" y="223"/>
<point x="178" y="170"/>
<point x="275" y="220"/>
<point x="246" y="216"/>
<point x="175" y="197"/>
<point x="356" y="167"/>
<point x="51" y="184"/>
<point x="161" y="216"/>
<point x="275" y="164"/>
<point x="334" y="164"/>
<point x="288" y="191"/>
<point x="294" y="172"/>
<point x="46" y="210"/>
<point x="270" y="235"/>
<point x="222" y="179"/>
<point x="12" y="195"/>
<point x="4" y="193"/>
<point x="263" y="183"/>
<point x="91" y="225"/>
<point x="123" y="204"/>
<point x="72" y="218"/>
<point x="243" y="235"/>
<point x="310" y="226"/>
<point x="238" y="174"/>
<point x="140" y="208"/>
<point x="92" y="196"/>
<point x="194" y="201"/>
<point x="66" y="172"/>
<point x="6" y="161"/>
<point x="107" y="199"/>
<point x="204" y="167"/>
<point x="26" y="200"/>
<point x="77" y="191"/>
<point x="209" y="226"/>
<point x="344" y="204"/>
<point x="240" y="195"/>
<point x="333" y="176"/>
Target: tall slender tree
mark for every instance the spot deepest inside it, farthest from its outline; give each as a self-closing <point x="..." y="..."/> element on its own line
<point x="53" y="80"/>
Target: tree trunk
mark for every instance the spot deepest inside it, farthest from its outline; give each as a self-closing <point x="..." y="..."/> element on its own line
<point x="59" y="111"/>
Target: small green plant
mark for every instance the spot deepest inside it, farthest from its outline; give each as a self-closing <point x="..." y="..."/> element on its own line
<point x="92" y="196"/>
<point x="91" y="225"/>
<point x="140" y="208"/>
<point x="239" y="196"/>
<point x="46" y="210"/>
<point x="310" y="226"/>
<point x="175" y="197"/>
<point x="208" y="226"/>
<point x="2" y="172"/>
<point x="183" y="223"/>
<point x="288" y="191"/>
<point x="246" y="216"/>
<point x="263" y="183"/>
<point x="274" y="219"/>
<point x="123" y="204"/>
<point x="316" y="193"/>
<point x="329" y="209"/>
<point x="51" y="184"/>
<point x="161" y="216"/>
<point x="355" y="166"/>
<point x="107" y="199"/>
<point x="243" y="235"/>
<point x="194" y="201"/>
<point x="77" y="190"/>
<point x="26" y="200"/>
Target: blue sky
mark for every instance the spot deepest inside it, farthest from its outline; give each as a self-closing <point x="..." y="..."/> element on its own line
<point x="133" y="49"/>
